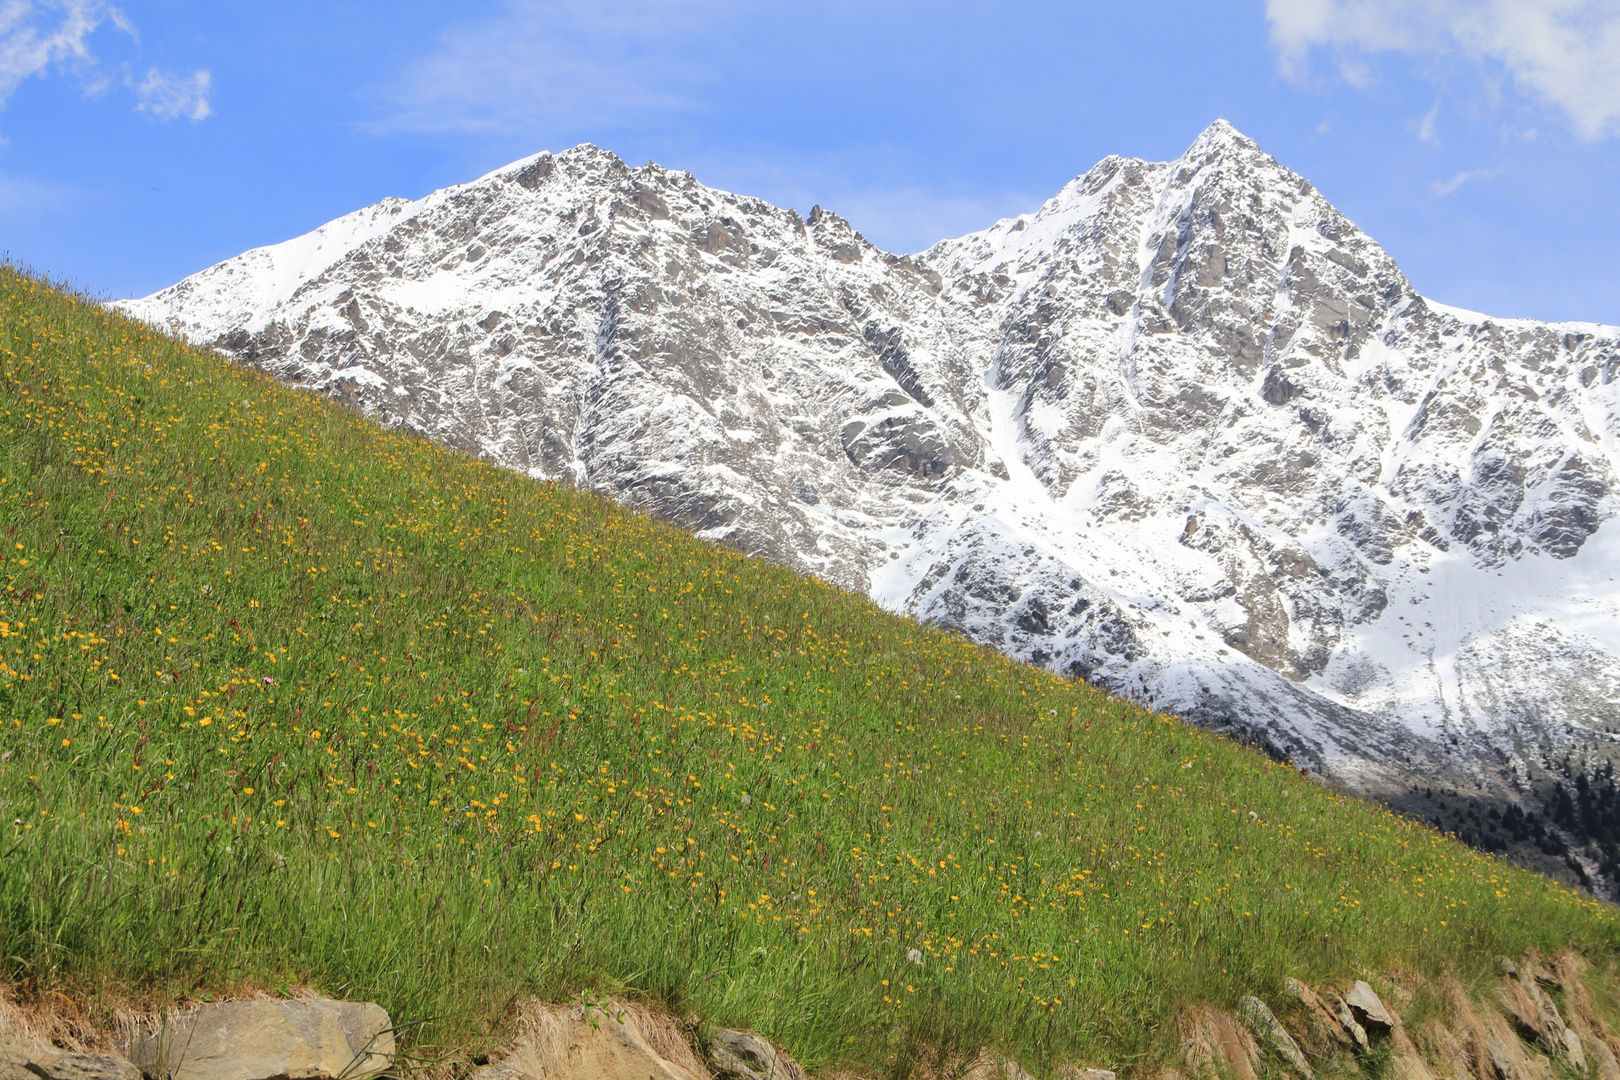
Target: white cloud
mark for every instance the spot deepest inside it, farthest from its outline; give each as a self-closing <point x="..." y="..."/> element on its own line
<point x="551" y="71"/>
<point x="1566" y="53"/>
<point x="1425" y="126"/>
<point x="39" y="35"/>
<point x="166" y="96"/>
<point x="560" y="66"/>
<point x="1442" y="188"/>
<point x="35" y="36"/>
<point x="1355" y="71"/>
<point x="24" y="199"/>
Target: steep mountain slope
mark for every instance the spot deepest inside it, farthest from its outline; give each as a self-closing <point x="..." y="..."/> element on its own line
<point x="1185" y="431"/>
<point x="476" y="739"/>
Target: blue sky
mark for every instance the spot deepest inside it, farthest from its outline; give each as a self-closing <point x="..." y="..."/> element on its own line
<point x="1477" y="140"/>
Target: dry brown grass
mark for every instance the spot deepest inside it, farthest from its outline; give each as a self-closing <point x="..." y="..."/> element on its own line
<point x="547" y="1033"/>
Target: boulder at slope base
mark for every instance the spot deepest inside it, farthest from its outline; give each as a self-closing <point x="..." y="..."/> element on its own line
<point x="1324" y="1022"/>
<point x="742" y="1055"/>
<point x="24" y="1056"/>
<point x="1214" y="1047"/>
<point x="1268" y="1030"/>
<point x="319" y="1039"/>
<point x="34" y="1059"/>
<point x="1369" y="1010"/>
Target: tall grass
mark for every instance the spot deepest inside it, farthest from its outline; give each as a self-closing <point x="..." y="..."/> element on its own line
<point x="290" y="699"/>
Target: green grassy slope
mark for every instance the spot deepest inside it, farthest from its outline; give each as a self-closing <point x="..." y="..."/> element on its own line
<point x="289" y="698"/>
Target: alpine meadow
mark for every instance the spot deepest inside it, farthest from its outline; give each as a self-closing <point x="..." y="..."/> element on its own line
<point x="294" y="701"/>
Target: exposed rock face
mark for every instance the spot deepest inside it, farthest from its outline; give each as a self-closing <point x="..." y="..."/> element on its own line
<point x="24" y="1055"/>
<point x="1368" y="1010"/>
<point x="62" y="1066"/>
<point x="319" y="1039"/>
<point x="1185" y="431"/>
<point x="1216" y="1047"/>
<point x="1268" y="1031"/>
<point x="742" y="1055"/>
<point x="1538" y="1020"/>
<point x="1520" y="1035"/>
<point x="35" y="1060"/>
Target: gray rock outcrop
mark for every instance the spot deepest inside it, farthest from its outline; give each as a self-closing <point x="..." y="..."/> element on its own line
<point x="1269" y="1032"/>
<point x="317" y="1039"/>
<point x="742" y="1055"/>
<point x="37" y="1060"/>
<point x="25" y="1056"/>
<point x="1347" y="1020"/>
<point x="1537" y="1018"/>
<point x="1329" y="1021"/>
<point x="1368" y="1008"/>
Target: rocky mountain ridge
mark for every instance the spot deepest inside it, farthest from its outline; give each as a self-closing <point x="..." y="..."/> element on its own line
<point x="1184" y="431"/>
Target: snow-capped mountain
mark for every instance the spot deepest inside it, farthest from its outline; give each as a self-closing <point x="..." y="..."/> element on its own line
<point x="1185" y="431"/>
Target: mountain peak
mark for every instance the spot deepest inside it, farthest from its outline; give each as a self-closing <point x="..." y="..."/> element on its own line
<point x="587" y="151"/>
<point x="1185" y="431"/>
<point x="1225" y="148"/>
<point x="528" y="171"/>
<point x="1222" y="133"/>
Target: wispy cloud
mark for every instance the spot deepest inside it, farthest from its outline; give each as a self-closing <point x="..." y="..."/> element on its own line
<point x="38" y="36"/>
<point x="1566" y="53"/>
<point x="1425" y="127"/>
<point x="35" y="37"/>
<point x="1441" y="188"/>
<point x="23" y="199"/>
<point x="164" y="96"/>
<point x="558" y="67"/>
<point x="549" y="71"/>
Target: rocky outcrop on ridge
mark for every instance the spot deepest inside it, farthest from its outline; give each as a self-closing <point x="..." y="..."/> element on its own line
<point x="1185" y="431"/>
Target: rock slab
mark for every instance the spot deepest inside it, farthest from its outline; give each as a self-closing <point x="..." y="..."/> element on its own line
<point x="1347" y="1019"/>
<point x="1537" y="1017"/>
<point x="1327" y="1022"/>
<point x="1268" y="1031"/>
<point x="34" y="1059"/>
<point x="318" y="1039"/>
<point x="25" y="1057"/>
<point x="1369" y="1010"/>
<point x="742" y="1055"/>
